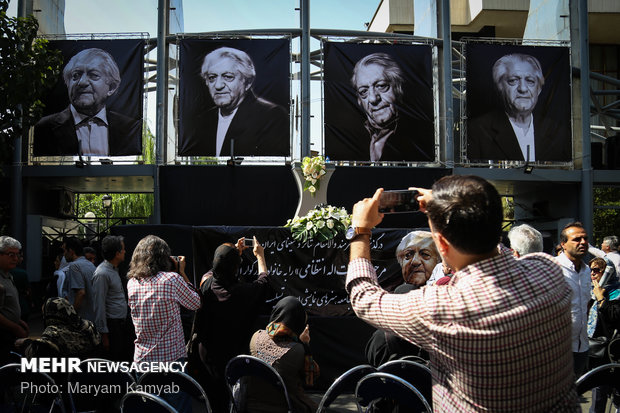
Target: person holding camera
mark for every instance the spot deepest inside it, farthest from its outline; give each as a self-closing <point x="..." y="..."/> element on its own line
<point x="224" y="324"/>
<point x="498" y="334"/>
<point x="156" y="289"/>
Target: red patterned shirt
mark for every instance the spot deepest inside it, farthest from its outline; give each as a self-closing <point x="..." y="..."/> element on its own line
<point x="499" y="333"/>
<point x="155" y="311"/>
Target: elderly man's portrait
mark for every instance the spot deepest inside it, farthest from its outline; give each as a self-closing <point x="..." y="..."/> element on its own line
<point x="417" y="256"/>
<point x="232" y="113"/>
<point x="378" y="103"/>
<point x="90" y="124"/>
<point x="521" y="121"/>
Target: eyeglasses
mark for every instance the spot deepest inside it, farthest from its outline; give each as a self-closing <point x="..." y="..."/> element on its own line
<point x="12" y="254"/>
<point x="596" y="270"/>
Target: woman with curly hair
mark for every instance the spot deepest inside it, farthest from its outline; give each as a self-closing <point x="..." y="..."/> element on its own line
<point x="156" y="293"/>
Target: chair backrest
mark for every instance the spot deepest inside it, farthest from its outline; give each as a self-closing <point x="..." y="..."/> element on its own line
<point x="116" y="384"/>
<point x="142" y="402"/>
<point x="30" y="397"/>
<point x="245" y="365"/>
<point x="607" y="374"/>
<point x="416" y="359"/>
<point x="345" y="383"/>
<point x="381" y="386"/>
<point x="417" y="374"/>
<point x="185" y="382"/>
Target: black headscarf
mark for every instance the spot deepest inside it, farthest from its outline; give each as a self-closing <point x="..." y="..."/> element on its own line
<point x="291" y="313"/>
<point x="226" y="261"/>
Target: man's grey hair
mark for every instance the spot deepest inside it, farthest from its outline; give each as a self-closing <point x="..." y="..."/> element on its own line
<point x="7" y="242"/>
<point x="414" y="238"/>
<point x="245" y="65"/>
<point x="391" y="70"/>
<point x="109" y="66"/>
<point x="612" y="242"/>
<point x="525" y="239"/>
<point x="501" y="67"/>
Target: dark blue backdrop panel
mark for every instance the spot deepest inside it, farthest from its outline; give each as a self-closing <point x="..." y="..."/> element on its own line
<point x="349" y="184"/>
<point x="223" y="195"/>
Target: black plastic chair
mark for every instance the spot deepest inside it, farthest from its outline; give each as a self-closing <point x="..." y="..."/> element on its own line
<point x="416" y="359"/>
<point x="142" y="402"/>
<point x="416" y="374"/>
<point x="16" y="398"/>
<point x="345" y="383"/>
<point x="103" y="401"/>
<point x="605" y="375"/>
<point x="185" y="382"/>
<point x="375" y="387"/>
<point x="243" y="366"/>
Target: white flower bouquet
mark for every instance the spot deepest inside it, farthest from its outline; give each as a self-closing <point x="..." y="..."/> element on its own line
<point x="313" y="170"/>
<point x="323" y="222"/>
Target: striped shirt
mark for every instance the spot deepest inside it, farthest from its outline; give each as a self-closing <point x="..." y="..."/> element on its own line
<point x="155" y="311"/>
<point x="499" y="333"/>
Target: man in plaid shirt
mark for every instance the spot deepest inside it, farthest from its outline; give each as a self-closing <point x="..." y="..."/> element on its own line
<point x="499" y="332"/>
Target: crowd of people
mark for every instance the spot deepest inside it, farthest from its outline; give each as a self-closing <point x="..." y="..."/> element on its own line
<point x="502" y="328"/>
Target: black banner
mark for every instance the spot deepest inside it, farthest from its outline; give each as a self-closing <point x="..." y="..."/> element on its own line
<point x="96" y="74"/>
<point x="313" y="271"/>
<point x="531" y="86"/>
<point x="241" y="83"/>
<point x="379" y="93"/>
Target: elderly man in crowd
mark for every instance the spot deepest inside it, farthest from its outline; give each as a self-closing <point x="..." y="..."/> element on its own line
<point x="517" y="132"/>
<point x="87" y="126"/>
<point x="378" y="82"/>
<point x="11" y="324"/>
<point x="525" y="239"/>
<point x="609" y="250"/>
<point x="240" y="123"/>
<point x="417" y="256"/>
<point x="498" y="334"/>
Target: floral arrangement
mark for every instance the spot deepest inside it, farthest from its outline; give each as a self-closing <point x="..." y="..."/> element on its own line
<point x="313" y="170"/>
<point x="323" y="222"/>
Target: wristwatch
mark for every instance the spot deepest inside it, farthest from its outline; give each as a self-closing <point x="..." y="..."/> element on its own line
<point x="353" y="232"/>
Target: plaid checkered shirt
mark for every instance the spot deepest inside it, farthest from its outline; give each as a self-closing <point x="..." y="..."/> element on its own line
<point x="499" y="333"/>
<point x="155" y="311"/>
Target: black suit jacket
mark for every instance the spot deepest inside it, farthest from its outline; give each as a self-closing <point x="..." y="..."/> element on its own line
<point x="413" y="140"/>
<point x="259" y="128"/>
<point x="55" y="135"/>
<point x="491" y="137"/>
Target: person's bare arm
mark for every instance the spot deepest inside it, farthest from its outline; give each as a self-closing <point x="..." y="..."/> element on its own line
<point x="365" y="215"/>
<point x="15" y="328"/>
<point x="79" y="299"/>
<point x="259" y="253"/>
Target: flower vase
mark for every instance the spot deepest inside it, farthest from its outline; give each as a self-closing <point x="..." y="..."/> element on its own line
<point x="307" y="199"/>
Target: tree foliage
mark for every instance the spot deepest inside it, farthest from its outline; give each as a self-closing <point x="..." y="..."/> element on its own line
<point x="605" y="215"/>
<point x="124" y="205"/>
<point x="27" y="72"/>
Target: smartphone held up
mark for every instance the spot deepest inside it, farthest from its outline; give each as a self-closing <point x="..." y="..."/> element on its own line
<point x="248" y="242"/>
<point x="400" y="201"/>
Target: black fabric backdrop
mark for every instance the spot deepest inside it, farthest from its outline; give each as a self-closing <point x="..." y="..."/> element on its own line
<point x="555" y="97"/>
<point x="268" y="196"/>
<point x="345" y="135"/>
<point x="314" y="272"/>
<point x="129" y="56"/>
<point x="271" y="59"/>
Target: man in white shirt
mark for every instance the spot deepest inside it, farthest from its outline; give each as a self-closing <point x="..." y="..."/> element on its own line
<point x="240" y="122"/>
<point x="87" y="127"/>
<point x="516" y="133"/>
<point x="574" y="240"/>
